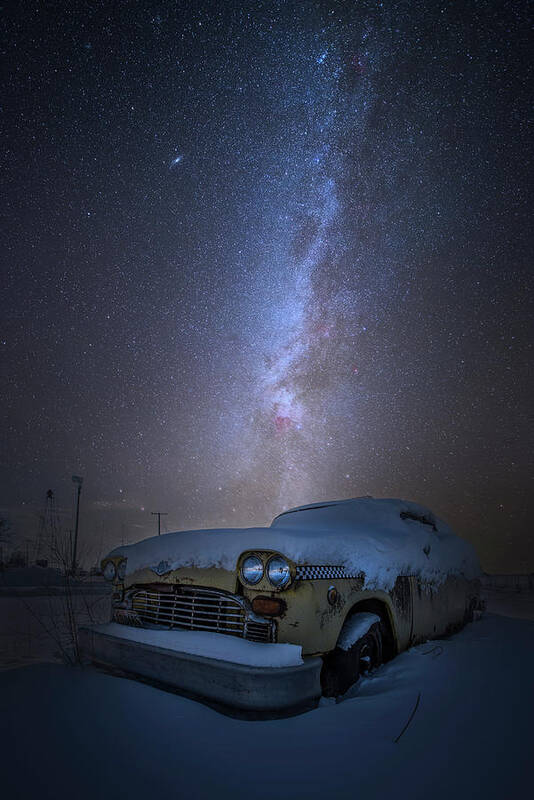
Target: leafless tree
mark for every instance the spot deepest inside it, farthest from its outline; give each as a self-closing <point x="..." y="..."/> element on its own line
<point x="67" y="604"/>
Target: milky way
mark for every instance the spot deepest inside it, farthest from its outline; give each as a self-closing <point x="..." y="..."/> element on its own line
<point x="262" y="254"/>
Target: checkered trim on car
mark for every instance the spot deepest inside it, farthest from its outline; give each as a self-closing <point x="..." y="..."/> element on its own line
<point x="313" y="573"/>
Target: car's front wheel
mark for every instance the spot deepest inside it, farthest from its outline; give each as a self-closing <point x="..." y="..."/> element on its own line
<point x="342" y="667"/>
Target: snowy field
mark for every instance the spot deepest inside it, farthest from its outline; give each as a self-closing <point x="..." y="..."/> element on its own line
<point x="31" y="626"/>
<point x="509" y="603"/>
<point x="79" y="733"/>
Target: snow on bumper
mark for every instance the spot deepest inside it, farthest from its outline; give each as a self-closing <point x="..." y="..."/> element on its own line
<point x="238" y="674"/>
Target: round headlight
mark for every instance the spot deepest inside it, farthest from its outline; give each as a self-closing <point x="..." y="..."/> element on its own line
<point x="109" y="571"/>
<point x="278" y="572"/>
<point x="252" y="570"/>
<point x="121" y="569"/>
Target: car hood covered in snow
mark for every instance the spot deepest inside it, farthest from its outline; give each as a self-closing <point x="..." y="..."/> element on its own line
<point x="379" y="538"/>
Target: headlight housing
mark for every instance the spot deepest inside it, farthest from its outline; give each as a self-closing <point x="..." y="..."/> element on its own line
<point x="109" y="571"/>
<point x="252" y="570"/>
<point x="278" y="572"/>
<point x="121" y="569"/>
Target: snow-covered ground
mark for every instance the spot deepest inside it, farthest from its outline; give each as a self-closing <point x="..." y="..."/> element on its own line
<point x="509" y="603"/>
<point x="32" y="626"/>
<point x="80" y="733"/>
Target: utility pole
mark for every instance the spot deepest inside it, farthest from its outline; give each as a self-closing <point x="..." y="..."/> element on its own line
<point x="159" y="515"/>
<point x="78" y="481"/>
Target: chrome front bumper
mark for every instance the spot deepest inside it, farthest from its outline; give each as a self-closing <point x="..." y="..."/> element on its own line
<point x="272" y="691"/>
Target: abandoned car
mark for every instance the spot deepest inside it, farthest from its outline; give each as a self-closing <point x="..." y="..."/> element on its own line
<point x="273" y="618"/>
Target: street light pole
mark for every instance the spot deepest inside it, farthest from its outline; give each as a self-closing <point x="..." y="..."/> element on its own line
<point x="78" y="481"/>
<point x="159" y="515"/>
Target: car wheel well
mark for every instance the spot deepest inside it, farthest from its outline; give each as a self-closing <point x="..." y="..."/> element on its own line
<point x="378" y="607"/>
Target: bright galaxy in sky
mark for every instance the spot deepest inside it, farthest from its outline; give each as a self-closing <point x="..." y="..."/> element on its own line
<point x="260" y="254"/>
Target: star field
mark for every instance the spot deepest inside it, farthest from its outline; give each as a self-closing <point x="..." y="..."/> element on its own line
<point x="260" y="254"/>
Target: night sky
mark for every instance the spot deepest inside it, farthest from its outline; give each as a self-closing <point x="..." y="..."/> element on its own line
<point x="258" y="254"/>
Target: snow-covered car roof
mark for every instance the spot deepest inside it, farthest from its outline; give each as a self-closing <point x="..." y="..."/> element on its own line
<point x="381" y="538"/>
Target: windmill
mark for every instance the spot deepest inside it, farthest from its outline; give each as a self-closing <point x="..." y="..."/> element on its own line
<point x="48" y="533"/>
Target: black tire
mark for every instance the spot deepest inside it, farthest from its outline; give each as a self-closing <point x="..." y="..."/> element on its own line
<point x="342" y="668"/>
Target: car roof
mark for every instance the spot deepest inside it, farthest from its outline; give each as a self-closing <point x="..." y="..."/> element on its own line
<point x="323" y="505"/>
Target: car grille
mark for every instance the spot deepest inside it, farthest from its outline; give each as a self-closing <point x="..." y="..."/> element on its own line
<point x="198" y="609"/>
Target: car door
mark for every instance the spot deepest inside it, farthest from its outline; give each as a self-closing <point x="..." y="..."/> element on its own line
<point x="402" y="597"/>
<point x="428" y="609"/>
